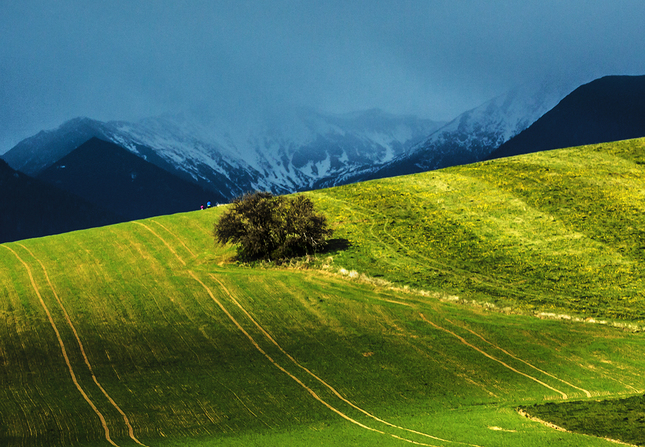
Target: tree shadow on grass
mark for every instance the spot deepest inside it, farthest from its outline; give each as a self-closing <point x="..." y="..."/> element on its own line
<point x="335" y="245"/>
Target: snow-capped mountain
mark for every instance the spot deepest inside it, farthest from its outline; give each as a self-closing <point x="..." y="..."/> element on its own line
<point x="472" y="136"/>
<point x="611" y="108"/>
<point x="292" y="154"/>
<point x="302" y="149"/>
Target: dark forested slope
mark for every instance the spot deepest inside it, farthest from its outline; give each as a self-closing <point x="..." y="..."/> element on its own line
<point x="114" y="178"/>
<point x="31" y="208"/>
<point x="607" y="109"/>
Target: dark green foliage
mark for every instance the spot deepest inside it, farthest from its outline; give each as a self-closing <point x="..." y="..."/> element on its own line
<point x="272" y="227"/>
<point x="622" y="419"/>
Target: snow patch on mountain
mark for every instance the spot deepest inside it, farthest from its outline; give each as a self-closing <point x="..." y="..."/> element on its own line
<point x="301" y="149"/>
<point x="498" y="120"/>
<point x="283" y="155"/>
<point x="470" y="137"/>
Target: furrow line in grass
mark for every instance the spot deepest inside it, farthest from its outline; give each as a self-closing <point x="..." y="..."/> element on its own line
<point x="464" y="341"/>
<point x="26" y="420"/>
<point x="64" y="351"/>
<point x="440" y="266"/>
<point x="587" y="393"/>
<point x="176" y="237"/>
<point x="298" y="364"/>
<point x="82" y="349"/>
<point x="293" y="377"/>
<point x="437" y="265"/>
<point x="186" y="313"/>
<point x="162" y="240"/>
<point x="332" y="389"/>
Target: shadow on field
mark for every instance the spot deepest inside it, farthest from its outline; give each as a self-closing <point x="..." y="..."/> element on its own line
<point x="337" y="244"/>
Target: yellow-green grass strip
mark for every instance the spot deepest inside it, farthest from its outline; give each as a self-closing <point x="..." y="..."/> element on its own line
<point x="106" y="429"/>
<point x="85" y="358"/>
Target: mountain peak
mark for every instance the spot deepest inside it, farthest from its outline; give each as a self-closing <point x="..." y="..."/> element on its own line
<point x="607" y="109"/>
<point x="108" y="175"/>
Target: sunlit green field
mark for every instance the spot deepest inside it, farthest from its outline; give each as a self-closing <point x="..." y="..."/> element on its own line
<point x="556" y="231"/>
<point x="147" y="333"/>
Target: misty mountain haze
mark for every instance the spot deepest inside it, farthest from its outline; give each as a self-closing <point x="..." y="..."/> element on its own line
<point x="301" y="150"/>
<point x="130" y="59"/>
<point x="607" y="109"/>
<point x="471" y="136"/>
<point x="287" y="156"/>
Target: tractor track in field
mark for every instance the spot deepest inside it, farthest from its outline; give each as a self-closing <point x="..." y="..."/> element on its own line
<point x="414" y="255"/>
<point x="82" y="349"/>
<point x="301" y="383"/>
<point x="168" y="246"/>
<point x="299" y="365"/>
<point x="587" y="393"/>
<point x="484" y="353"/>
<point x="333" y="390"/>
<point x="106" y="429"/>
<point x="309" y="390"/>
<point x="292" y="376"/>
<point x="176" y="237"/>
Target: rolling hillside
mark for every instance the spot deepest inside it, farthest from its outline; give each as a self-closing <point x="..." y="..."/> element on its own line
<point x="557" y="231"/>
<point x="422" y="330"/>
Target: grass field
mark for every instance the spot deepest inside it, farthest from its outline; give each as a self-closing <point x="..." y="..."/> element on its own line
<point x="145" y="333"/>
<point x="622" y="419"/>
<point x="556" y="231"/>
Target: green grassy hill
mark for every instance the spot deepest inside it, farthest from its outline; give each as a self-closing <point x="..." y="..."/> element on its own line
<point x="145" y="333"/>
<point x="556" y="231"/>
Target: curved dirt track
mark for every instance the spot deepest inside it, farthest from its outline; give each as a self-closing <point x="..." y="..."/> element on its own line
<point x="332" y="389"/>
<point x="587" y="393"/>
<point x="64" y="351"/>
<point x="464" y="341"/>
<point x="277" y="365"/>
<point x="82" y="349"/>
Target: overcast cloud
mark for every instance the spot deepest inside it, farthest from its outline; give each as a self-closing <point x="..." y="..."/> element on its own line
<point x="128" y="59"/>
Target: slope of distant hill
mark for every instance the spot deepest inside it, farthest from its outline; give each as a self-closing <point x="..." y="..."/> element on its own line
<point x="607" y="109"/>
<point x="32" y="208"/>
<point x="111" y="177"/>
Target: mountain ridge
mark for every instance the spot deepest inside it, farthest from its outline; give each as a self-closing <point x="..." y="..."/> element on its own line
<point x="471" y="136"/>
<point x="112" y="177"/>
<point x="607" y="109"/>
<point x="33" y="208"/>
<point x="282" y="157"/>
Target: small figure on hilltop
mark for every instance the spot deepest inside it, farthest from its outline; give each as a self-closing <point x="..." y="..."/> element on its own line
<point x="208" y="204"/>
<point x="202" y="207"/>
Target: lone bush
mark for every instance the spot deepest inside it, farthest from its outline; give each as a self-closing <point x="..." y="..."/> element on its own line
<point x="272" y="227"/>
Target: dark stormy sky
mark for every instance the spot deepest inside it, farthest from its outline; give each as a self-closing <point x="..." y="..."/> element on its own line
<point x="128" y="59"/>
